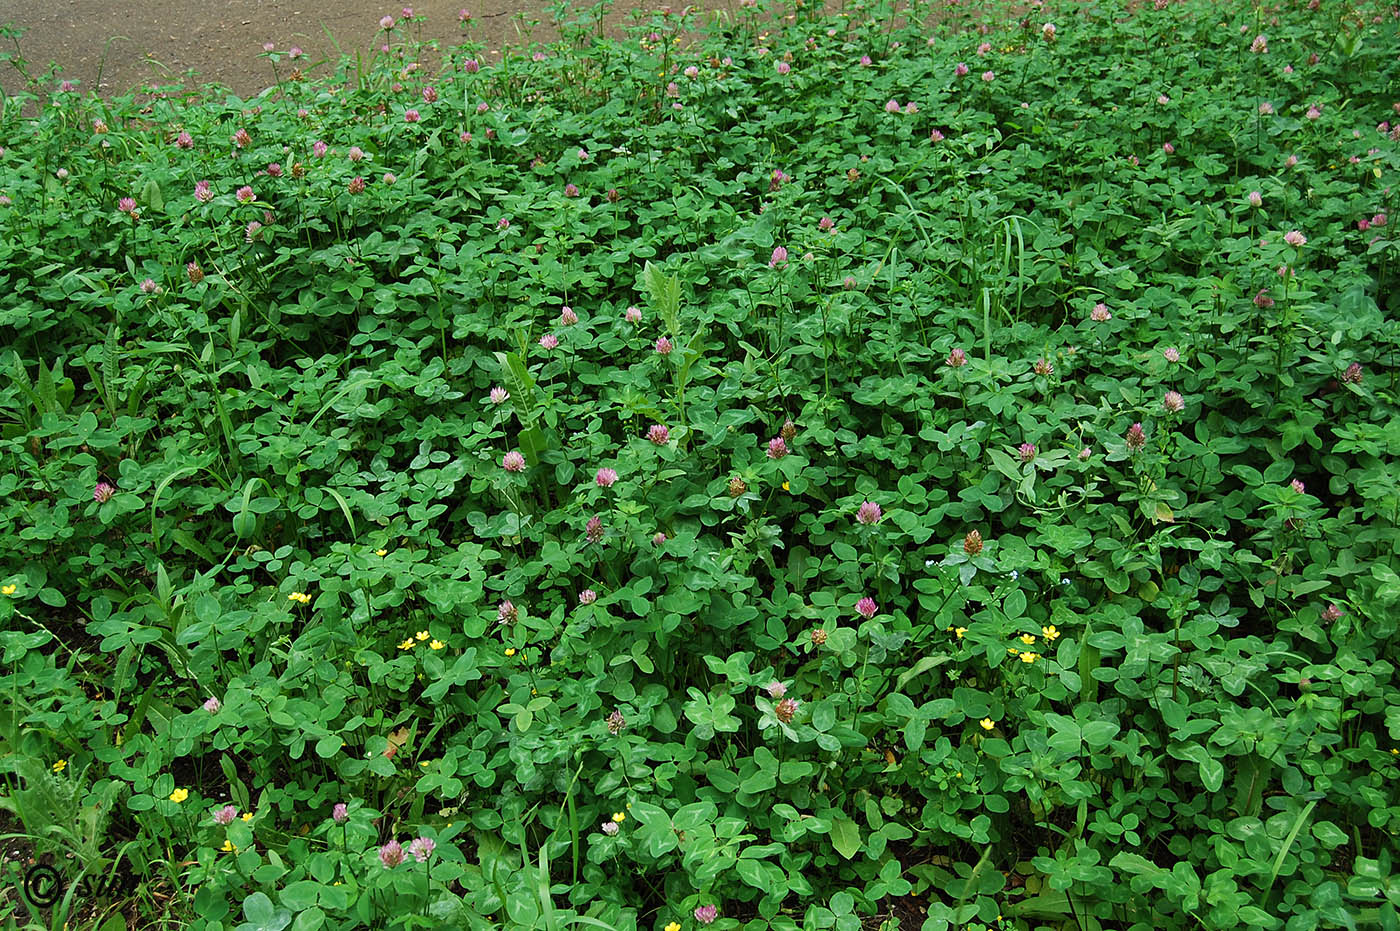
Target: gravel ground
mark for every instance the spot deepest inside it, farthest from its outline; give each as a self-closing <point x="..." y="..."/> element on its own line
<point x="116" y="45"/>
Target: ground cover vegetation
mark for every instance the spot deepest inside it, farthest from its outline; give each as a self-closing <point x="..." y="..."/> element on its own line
<point x="822" y="470"/>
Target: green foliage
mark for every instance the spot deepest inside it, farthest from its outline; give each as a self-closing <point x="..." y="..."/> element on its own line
<point x="1116" y="649"/>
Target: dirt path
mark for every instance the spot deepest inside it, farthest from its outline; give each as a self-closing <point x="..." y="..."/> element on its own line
<point x="158" y="40"/>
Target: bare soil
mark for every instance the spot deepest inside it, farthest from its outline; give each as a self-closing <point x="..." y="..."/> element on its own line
<point x="113" y="46"/>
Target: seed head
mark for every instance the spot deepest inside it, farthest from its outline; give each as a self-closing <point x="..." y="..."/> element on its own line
<point x="789" y="431"/>
<point x="1352" y="376"/>
<point x="972" y="543"/>
<point x="194" y="272"/>
<point x="737" y="487"/>
<point x="818" y="636"/>
<point x="784" y="711"/>
<point x="593" y="530"/>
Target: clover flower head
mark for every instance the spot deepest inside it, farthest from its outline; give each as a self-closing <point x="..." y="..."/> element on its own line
<point x="391" y="854"/>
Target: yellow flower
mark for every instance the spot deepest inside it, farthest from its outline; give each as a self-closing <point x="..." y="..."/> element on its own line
<point x="381" y="552"/>
<point x="1051" y="634"/>
<point x="510" y="651"/>
<point x="1028" y="639"/>
<point x="8" y="589"/>
<point x="422" y="635"/>
<point x="1029" y="657"/>
<point x="297" y="596"/>
<point x="247" y="816"/>
<point x="60" y="766"/>
<point x="407" y="644"/>
<point x="424" y="764"/>
<point x="1012" y="651"/>
<point x="179" y="795"/>
<point x="436" y="645"/>
<point x="960" y="631"/>
<point x="673" y="926"/>
<point x="228" y="846"/>
<point x="619" y="817"/>
<point x="785" y="486"/>
<point x="987" y="724"/>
